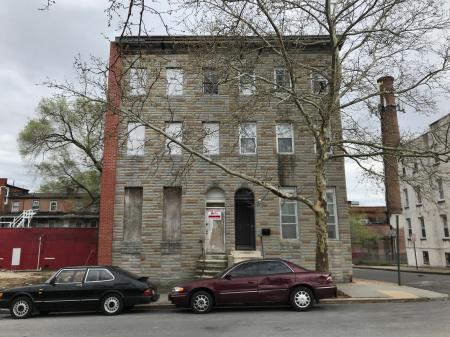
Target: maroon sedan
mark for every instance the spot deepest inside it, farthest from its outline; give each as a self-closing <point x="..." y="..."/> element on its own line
<point x="256" y="282"/>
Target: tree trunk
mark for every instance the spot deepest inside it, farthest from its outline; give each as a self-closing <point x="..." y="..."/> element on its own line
<point x="320" y="207"/>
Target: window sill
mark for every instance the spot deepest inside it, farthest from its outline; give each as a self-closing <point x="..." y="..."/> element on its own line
<point x="419" y="205"/>
<point x="406" y="207"/>
<point x="423" y="239"/>
<point x="445" y="239"/>
<point x="285" y="153"/>
<point x="441" y="201"/>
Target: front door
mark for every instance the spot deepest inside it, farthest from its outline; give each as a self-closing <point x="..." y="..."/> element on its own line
<point x="215" y="230"/>
<point x="244" y="208"/>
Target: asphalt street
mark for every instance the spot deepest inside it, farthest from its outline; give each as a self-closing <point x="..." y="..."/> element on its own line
<point x="433" y="282"/>
<point x="359" y="320"/>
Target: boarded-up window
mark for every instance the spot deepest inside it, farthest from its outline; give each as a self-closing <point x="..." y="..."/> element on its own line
<point x="132" y="216"/>
<point x="172" y="213"/>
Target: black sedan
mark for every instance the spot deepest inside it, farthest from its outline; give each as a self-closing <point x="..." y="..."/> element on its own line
<point x="106" y="288"/>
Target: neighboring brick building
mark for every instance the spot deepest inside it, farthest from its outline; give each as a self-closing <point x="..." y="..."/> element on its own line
<point x="62" y="230"/>
<point x="384" y="249"/>
<point x="51" y="209"/>
<point x="426" y="207"/>
<point x="159" y="212"/>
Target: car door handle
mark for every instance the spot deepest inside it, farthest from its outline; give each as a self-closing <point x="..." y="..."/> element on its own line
<point x="40" y="291"/>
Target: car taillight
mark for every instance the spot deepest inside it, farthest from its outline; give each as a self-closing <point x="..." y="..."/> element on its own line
<point x="148" y="292"/>
<point x="329" y="279"/>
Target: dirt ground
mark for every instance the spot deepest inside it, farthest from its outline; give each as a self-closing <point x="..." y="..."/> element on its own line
<point x="10" y="279"/>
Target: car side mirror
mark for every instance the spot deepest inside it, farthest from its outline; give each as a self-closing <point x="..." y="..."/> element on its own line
<point x="227" y="277"/>
<point x="52" y="281"/>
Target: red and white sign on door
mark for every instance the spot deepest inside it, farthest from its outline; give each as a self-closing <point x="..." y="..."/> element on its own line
<point x="214" y="214"/>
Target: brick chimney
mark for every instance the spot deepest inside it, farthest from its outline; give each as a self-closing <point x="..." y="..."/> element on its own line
<point x="390" y="138"/>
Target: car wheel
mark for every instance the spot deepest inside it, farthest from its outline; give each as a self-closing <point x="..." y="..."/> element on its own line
<point x="201" y="302"/>
<point x="112" y="304"/>
<point x="302" y="299"/>
<point x="21" y="308"/>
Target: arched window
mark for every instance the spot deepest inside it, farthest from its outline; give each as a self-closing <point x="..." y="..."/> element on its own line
<point x="215" y="197"/>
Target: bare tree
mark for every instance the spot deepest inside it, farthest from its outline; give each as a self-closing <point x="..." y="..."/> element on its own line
<point x="364" y="39"/>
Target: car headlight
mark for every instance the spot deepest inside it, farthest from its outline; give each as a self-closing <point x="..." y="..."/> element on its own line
<point x="177" y="289"/>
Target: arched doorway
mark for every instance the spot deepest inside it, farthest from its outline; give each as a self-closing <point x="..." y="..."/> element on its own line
<point x="215" y="221"/>
<point x="244" y="219"/>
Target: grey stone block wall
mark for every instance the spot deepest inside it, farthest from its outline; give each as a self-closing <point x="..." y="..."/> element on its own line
<point x="166" y="261"/>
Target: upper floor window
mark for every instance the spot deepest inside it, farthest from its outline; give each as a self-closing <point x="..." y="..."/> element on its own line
<point x="138" y="81"/>
<point x="247" y="83"/>
<point x="15" y="207"/>
<point x="174" y="77"/>
<point x="288" y="215"/>
<point x="211" y="140"/>
<point x="281" y="78"/>
<point x="440" y="186"/>
<point x="418" y="195"/>
<point x="332" y="218"/>
<point x="247" y="138"/>
<point x="135" y="139"/>
<point x="35" y="205"/>
<point x="409" y="227"/>
<point x="53" y="206"/>
<point x="422" y="227"/>
<point x="210" y="81"/>
<point x="405" y="194"/>
<point x="285" y="138"/>
<point x="174" y="130"/>
<point x="445" y="226"/>
<point x="319" y="84"/>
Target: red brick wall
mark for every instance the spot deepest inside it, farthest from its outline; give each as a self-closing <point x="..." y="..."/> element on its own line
<point x="108" y="180"/>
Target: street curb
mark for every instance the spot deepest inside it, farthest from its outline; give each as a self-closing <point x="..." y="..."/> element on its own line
<point x="381" y="300"/>
<point x="403" y="271"/>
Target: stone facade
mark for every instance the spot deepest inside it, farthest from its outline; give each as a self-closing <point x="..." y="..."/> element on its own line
<point x="154" y="169"/>
<point x="432" y="203"/>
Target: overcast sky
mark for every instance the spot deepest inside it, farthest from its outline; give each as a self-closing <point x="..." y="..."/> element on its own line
<point x="37" y="45"/>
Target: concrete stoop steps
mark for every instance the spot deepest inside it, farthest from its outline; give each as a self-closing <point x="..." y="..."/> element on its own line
<point x="211" y="264"/>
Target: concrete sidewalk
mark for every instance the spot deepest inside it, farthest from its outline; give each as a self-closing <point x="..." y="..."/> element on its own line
<point x="408" y="269"/>
<point x="369" y="291"/>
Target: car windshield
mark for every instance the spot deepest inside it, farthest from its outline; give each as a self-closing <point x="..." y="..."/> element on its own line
<point x="51" y="277"/>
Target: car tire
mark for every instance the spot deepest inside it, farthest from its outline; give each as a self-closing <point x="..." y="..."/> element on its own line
<point x="21" y="308"/>
<point x="302" y="299"/>
<point x="201" y="302"/>
<point x="112" y="304"/>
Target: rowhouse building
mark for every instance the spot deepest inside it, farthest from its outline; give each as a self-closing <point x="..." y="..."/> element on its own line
<point x="168" y="214"/>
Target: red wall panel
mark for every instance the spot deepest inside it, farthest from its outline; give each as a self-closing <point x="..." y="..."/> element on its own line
<point x="60" y="247"/>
